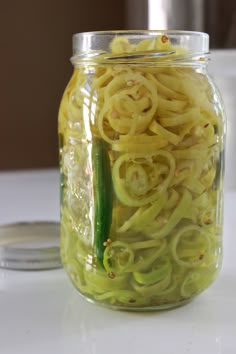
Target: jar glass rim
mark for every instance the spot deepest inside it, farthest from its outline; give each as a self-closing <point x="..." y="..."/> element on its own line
<point x="141" y="32"/>
<point x="93" y="44"/>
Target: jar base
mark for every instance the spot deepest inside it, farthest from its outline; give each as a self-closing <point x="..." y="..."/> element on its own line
<point x="163" y="307"/>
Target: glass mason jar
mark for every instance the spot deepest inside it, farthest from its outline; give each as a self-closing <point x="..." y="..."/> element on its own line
<point x="141" y="129"/>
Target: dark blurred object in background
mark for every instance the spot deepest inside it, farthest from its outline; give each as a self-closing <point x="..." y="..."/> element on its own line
<point x="36" y="46"/>
<point x="220" y="22"/>
<point x="35" y="50"/>
<point x="216" y="17"/>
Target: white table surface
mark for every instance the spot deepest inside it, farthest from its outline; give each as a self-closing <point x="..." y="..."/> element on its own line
<point x="41" y="312"/>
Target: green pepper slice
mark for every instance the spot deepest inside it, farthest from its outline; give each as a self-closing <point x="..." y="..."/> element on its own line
<point x="103" y="196"/>
<point x="159" y="270"/>
<point x="118" y="256"/>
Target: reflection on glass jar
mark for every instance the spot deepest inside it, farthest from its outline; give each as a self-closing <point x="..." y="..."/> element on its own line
<point x="142" y="146"/>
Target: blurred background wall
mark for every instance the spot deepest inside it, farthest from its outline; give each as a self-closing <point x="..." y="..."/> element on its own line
<point x="36" y="47"/>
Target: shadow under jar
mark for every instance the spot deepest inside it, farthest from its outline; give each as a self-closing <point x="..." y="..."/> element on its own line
<point x="141" y="129"/>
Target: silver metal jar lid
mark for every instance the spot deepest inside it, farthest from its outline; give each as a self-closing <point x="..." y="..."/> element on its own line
<point x="30" y="245"/>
